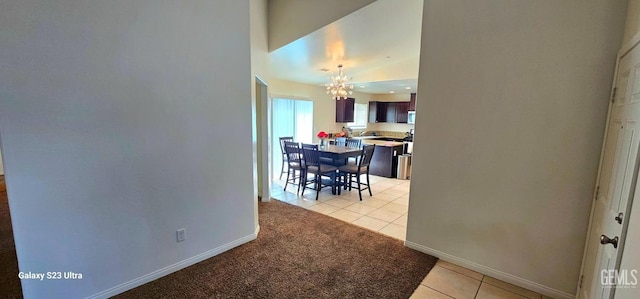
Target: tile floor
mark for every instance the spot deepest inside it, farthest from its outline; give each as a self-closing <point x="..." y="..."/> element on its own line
<point x="386" y="213"/>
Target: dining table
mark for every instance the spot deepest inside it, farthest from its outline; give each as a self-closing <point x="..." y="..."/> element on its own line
<point x="338" y="155"/>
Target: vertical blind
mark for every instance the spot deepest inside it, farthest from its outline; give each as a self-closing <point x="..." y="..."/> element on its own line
<point x="291" y="118"/>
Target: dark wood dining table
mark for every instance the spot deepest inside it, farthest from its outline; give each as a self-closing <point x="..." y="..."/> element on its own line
<point x="338" y="156"/>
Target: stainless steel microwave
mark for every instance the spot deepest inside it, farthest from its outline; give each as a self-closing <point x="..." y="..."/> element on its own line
<point x="412" y="117"/>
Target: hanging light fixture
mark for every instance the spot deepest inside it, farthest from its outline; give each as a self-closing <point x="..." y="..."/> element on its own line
<point x="338" y="87"/>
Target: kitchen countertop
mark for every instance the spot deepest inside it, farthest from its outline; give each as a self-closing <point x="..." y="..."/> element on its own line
<point x="371" y="140"/>
<point x="382" y="143"/>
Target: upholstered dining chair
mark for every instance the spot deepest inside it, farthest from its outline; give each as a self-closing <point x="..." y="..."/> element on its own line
<point x="295" y="163"/>
<point x="284" y="155"/>
<point x="356" y="170"/>
<point x="314" y="166"/>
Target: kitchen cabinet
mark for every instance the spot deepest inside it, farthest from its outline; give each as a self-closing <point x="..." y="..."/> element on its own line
<point x="378" y="112"/>
<point x="402" y="112"/>
<point x="412" y="102"/>
<point x="390" y="116"/>
<point x="388" y="112"/>
<point x="345" y="110"/>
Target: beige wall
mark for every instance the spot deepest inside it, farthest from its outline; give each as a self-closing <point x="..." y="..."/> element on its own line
<point x="260" y="69"/>
<point x="633" y="21"/>
<point x="512" y="110"/>
<point x="121" y="135"/>
<point x="324" y="107"/>
<point x="290" y="20"/>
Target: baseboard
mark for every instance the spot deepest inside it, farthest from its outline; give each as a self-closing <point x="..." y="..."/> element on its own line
<point x="121" y="288"/>
<point x="521" y="282"/>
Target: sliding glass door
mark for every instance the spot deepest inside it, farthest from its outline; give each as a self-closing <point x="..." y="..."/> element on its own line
<point x="290" y="118"/>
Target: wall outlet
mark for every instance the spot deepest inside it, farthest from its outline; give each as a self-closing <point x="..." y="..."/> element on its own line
<point x="181" y="234"/>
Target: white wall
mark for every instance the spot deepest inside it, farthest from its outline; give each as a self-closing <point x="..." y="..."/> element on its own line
<point x="512" y="106"/>
<point x="122" y="122"/>
<point x="290" y="20"/>
<point x="632" y="26"/>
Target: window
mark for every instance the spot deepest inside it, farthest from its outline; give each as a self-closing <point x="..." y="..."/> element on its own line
<point x="290" y="118"/>
<point x="360" y="115"/>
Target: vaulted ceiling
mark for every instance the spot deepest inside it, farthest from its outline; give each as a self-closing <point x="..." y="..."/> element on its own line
<point x="379" y="46"/>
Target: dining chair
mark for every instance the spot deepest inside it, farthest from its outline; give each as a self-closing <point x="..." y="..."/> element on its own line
<point x="284" y="155"/>
<point x="353" y="143"/>
<point x="295" y="163"/>
<point x="312" y="163"/>
<point x="341" y="141"/>
<point x="356" y="170"/>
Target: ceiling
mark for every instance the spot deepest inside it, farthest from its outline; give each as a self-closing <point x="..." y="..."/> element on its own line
<point x="379" y="46"/>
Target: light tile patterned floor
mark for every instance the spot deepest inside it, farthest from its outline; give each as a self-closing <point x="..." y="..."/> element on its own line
<point x="386" y="213"/>
<point x="447" y="280"/>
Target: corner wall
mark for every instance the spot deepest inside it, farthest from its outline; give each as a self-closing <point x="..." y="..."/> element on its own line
<point x="122" y="122"/>
<point x="513" y="101"/>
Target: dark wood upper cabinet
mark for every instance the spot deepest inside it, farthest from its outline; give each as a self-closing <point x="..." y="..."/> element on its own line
<point x="412" y="102"/>
<point x="345" y="110"/>
<point x="402" y="112"/>
<point x="378" y="112"/>
<point x="388" y="112"/>
<point x="391" y="112"/>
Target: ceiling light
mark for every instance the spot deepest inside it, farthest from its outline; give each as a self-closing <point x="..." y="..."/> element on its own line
<point x="408" y="87"/>
<point x="361" y="86"/>
<point x="392" y="91"/>
<point x="338" y="87"/>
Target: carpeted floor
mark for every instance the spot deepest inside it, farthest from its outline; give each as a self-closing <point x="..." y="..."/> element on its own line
<point x="9" y="282"/>
<point x="300" y="254"/>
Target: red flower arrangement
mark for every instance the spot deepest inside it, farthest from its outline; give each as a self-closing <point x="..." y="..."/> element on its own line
<point x="323" y="134"/>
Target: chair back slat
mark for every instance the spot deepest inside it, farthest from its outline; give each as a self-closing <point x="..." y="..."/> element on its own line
<point x="292" y="150"/>
<point x="354" y="143"/>
<point x="311" y="154"/>
<point x="341" y="141"/>
<point x="367" y="154"/>
<point x="282" y="141"/>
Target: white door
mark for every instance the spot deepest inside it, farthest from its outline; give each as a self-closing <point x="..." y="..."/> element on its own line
<point x="616" y="183"/>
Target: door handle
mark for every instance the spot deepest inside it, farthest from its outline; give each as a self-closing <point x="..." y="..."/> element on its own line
<point x="619" y="218"/>
<point x="606" y="240"/>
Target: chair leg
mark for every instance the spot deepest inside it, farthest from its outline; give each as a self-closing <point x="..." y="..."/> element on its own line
<point x="318" y="184"/>
<point x="287" y="181"/>
<point x="359" y="187"/>
<point x="304" y="183"/>
<point x="281" y="169"/>
<point x="299" y="181"/>
<point x="369" y="184"/>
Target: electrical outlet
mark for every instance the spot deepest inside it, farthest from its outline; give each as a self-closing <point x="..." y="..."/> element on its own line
<point x="181" y="234"/>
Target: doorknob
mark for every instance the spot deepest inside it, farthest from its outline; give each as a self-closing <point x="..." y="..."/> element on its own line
<point x="619" y="218"/>
<point x="605" y="240"/>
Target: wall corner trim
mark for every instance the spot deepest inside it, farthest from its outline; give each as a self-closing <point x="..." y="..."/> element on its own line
<point x="544" y="290"/>
<point x="121" y="288"/>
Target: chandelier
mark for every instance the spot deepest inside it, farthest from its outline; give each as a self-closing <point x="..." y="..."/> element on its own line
<point x="338" y="87"/>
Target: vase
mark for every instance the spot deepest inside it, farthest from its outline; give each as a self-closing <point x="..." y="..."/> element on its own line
<point x="321" y="142"/>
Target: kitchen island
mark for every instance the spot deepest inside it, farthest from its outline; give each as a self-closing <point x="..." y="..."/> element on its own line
<point x="385" y="157"/>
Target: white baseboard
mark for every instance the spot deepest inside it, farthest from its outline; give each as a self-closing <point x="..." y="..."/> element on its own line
<point x="521" y="282"/>
<point x="121" y="288"/>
